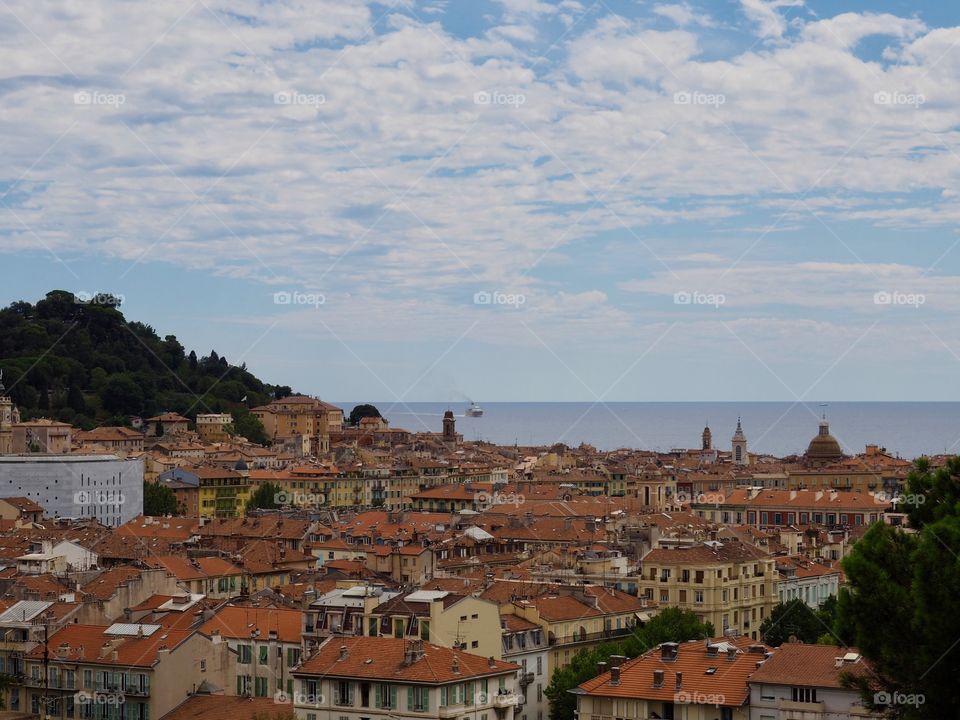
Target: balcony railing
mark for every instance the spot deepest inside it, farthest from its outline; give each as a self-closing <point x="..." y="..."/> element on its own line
<point x="587" y="637"/>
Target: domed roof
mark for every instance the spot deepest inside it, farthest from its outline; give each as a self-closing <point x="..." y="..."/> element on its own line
<point x="824" y="446"/>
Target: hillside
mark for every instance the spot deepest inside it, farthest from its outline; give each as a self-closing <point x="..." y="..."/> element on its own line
<point x="84" y="363"/>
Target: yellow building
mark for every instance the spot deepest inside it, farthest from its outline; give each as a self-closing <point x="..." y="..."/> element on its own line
<point x="731" y="585"/>
<point x="301" y="416"/>
<point x="220" y="492"/>
<point x="214" y="427"/>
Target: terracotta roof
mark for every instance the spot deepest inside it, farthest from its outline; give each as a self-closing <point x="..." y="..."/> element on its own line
<point x="105" y="585"/>
<point x="224" y="707"/>
<point x="381" y="658"/>
<point x="23" y="504"/>
<point x="237" y="622"/>
<point x="810" y="665"/>
<point x="85" y="643"/>
<point x="704" y="554"/>
<point x="726" y="683"/>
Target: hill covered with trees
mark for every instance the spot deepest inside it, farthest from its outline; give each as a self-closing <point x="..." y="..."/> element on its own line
<point x="82" y="362"/>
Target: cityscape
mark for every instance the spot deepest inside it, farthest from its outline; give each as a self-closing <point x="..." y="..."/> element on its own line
<point x="479" y="360"/>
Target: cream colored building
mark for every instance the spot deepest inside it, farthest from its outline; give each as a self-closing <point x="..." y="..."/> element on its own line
<point x="134" y="671"/>
<point x="731" y="585"/>
<point x="442" y="618"/>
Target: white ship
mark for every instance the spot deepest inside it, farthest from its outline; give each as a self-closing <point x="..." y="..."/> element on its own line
<point x="474" y="410"/>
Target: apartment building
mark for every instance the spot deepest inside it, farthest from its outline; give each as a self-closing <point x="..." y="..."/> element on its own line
<point x="685" y="681"/>
<point x="730" y="585"/>
<point x="765" y="508"/>
<point x="525" y="644"/>
<point x="813" y="581"/>
<point x="804" y="681"/>
<point x="220" y="492"/>
<point x="129" y="671"/>
<point x="442" y="618"/>
<point x="360" y="678"/>
<point x="267" y="642"/>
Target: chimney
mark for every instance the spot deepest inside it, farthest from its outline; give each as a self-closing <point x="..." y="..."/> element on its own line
<point x="343" y="652"/>
<point x="731" y="653"/>
<point x="615" y="676"/>
<point x="679" y="680"/>
<point x="658" y="678"/>
<point x="713" y="650"/>
<point x="456" y="665"/>
<point x="617" y="660"/>
<point x="601" y="668"/>
<point x="491" y="662"/>
<point x="668" y="652"/>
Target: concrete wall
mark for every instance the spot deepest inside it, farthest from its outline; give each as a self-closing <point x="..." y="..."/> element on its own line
<point x="99" y="486"/>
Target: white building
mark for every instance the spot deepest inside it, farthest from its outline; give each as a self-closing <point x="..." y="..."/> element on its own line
<point x="809" y="580"/>
<point x="803" y="681"/>
<point x="525" y="644"/>
<point x="103" y="487"/>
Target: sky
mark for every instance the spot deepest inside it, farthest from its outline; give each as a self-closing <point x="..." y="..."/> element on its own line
<point x="501" y="199"/>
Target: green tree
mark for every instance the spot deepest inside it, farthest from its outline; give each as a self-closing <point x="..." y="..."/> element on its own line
<point x="672" y="625"/>
<point x="249" y="426"/>
<point x="796" y="618"/>
<point x="266" y="497"/>
<point x="899" y="606"/>
<point x="158" y="499"/>
<point x="362" y="411"/>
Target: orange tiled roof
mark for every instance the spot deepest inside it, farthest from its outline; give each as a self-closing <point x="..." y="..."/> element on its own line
<point x="237" y="622"/>
<point x="728" y="680"/>
<point x="381" y="658"/>
<point x="810" y="665"/>
<point x="85" y="643"/>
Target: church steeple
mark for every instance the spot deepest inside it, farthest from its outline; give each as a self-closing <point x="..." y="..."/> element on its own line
<point x="739" y="446"/>
<point x="707" y="437"/>
<point x="7" y="418"/>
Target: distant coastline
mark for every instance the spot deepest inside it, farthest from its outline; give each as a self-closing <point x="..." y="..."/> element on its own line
<point x="779" y="428"/>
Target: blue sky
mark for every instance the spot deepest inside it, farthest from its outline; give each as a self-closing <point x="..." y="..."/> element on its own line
<point x="502" y="200"/>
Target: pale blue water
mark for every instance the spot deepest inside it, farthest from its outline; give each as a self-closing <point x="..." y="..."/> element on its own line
<point x="909" y="429"/>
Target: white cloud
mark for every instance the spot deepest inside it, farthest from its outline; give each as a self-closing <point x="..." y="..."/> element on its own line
<point x="766" y="15"/>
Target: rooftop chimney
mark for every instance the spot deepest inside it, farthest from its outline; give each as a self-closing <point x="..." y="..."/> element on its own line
<point x="615" y="676"/>
<point x="343" y="652"/>
<point x="491" y="662"/>
<point x="731" y="653"/>
<point x="679" y="680"/>
<point x="713" y="650"/>
<point x="668" y="652"/>
<point x="601" y="668"/>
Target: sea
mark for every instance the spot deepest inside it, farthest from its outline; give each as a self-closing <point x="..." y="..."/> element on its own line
<point x="906" y="429"/>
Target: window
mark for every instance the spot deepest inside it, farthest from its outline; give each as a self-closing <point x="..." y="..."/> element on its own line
<point x="264" y="654"/>
<point x="418" y="699"/>
<point x="539" y="666"/>
<point x="804" y="695"/>
<point x="343" y="694"/>
<point x="698" y="596"/>
<point x="664" y="596"/>
<point x="386" y="696"/>
<point x="293" y="656"/>
<point x="475" y="644"/>
<point x="245" y="654"/>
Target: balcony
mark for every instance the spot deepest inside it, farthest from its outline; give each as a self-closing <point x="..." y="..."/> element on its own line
<point x="587" y="637"/>
<point x="506" y="700"/>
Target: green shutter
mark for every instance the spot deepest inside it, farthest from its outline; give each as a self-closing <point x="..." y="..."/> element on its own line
<point x="443" y="697"/>
<point x="410" y="698"/>
<point x="393" y="697"/>
<point x="379" y="696"/>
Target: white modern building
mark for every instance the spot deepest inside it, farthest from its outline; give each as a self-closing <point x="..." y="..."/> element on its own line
<point x="104" y="487"/>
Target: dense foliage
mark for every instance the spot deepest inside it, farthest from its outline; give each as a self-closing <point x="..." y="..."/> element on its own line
<point x="158" y="500"/>
<point x="84" y="363"/>
<point x="796" y="618"/>
<point x="900" y="605"/>
<point x="266" y="497"/>
<point x="362" y="411"/>
<point x="671" y="625"/>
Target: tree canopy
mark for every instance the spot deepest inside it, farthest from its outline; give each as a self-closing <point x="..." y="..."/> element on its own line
<point x="796" y="618"/>
<point x="900" y="604"/>
<point x="361" y="411"/>
<point x="671" y="625"/>
<point x="158" y="499"/>
<point x="266" y="497"/>
<point x="82" y="362"/>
